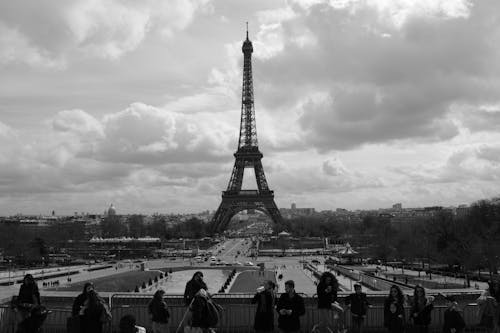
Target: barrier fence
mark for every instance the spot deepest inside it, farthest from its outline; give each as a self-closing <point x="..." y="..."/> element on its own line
<point x="238" y="315"/>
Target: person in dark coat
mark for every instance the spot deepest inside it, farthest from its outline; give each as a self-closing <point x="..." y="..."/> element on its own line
<point x="193" y="286"/>
<point x="93" y="314"/>
<point x="489" y="304"/>
<point x="327" y="294"/>
<point x="80" y="299"/>
<point x="453" y="321"/>
<point x="421" y="309"/>
<point x="28" y="301"/>
<point x="290" y="307"/>
<point x="198" y="310"/>
<point x="264" y="316"/>
<point x="358" y="304"/>
<point x="394" y="312"/>
<point x="159" y="312"/>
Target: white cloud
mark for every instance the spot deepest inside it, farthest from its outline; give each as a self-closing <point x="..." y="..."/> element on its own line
<point x="50" y="34"/>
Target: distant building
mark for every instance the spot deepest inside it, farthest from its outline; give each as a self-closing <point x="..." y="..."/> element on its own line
<point x="397" y="206"/>
<point x="111" y="210"/>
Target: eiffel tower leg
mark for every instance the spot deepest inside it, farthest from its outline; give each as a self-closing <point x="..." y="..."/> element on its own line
<point x="222" y="217"/>
<point x="273" y="211"/>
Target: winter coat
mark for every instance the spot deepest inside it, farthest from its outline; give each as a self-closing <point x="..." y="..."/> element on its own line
<point x="91" y="321"/>
<point x="158" y="311"/>
<point x="264" y="315"/>
<point x="359" y="303"/>
<point x="394" y="322"/>
<point x="296" y="304"/>
<point x="325" y="299"/>
<point x="423" y="313"/>
<point x="29" y="294"/>
<point x="199" y="311"/>
<point x="78" y="304"/>
<point x="192" y="287"/>
<point x="453" y="319"/>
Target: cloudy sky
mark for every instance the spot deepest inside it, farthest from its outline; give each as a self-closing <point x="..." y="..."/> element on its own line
<point x="359" y="104"/>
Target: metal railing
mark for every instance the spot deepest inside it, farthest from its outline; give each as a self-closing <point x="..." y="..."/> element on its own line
<point x="238" y="315"/>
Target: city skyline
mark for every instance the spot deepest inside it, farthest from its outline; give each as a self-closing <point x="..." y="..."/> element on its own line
<point x="359" y="104"/>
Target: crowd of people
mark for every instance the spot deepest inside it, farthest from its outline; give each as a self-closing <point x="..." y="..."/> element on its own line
<point x="90" y="312"/>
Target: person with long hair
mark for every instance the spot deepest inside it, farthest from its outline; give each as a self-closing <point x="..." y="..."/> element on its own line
<point x="80" y="299"/>
<point x="27" y="302"/>
<point x="489" y="307"/>
<point x="421" y="309"/>
<point x="264" y="316"/>
<point x="93" y="314"/>
<point x="158" y="311"/>
<point x="327" y="294"/>
<point x="394" y="312"/>
<point x="193" y="286"/>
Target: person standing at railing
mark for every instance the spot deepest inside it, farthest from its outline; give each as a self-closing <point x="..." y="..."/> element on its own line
<point x="29" y="306"/>
<point x="80" y="299"/>
<point x="290" y="307"/>
<point x="193" y="286"/>
<point x="394" y="312"/>
<point x="358" y="304"/>
<point x="93" y="314"/>
<point x="489" y="307"/>
<point x="421" y="309"/>
<point x="453" y="320"/>
<point x="264" y="315"/>
<point x="158" y="311"/>
<point x="327" y="295"/>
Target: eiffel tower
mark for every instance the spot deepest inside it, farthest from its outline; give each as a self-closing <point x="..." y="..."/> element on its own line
<point x="234" y="199"/>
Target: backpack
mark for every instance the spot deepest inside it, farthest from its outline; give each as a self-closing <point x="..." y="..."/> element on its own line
<point x="213" y="313"/>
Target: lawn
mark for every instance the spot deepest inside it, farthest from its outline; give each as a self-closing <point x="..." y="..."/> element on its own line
<point x="121" y="282"/>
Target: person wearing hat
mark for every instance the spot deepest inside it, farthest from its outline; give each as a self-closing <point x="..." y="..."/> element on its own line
<point x="358" y="304"/>
<point x="453" y="321"/>
<point x="290" y="307"/>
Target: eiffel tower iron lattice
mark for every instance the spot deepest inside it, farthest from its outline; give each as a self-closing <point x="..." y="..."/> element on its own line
<point x="234" y="199"/>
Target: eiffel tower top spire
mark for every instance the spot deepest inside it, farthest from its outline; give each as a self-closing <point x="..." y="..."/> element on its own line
<point x="248" y="128"/>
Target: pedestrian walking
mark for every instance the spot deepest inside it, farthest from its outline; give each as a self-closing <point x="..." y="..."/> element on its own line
<point x="453" y="320"/>
<point x="394" y="312"/>
<point x="326" y="291"/>
<point x="290" y="307"/>
<point x="358" y="304"/>
<point x="489" y="307"/>
<point x="158" y="311"/>
<point x="421" y="309"/>
<point x="94" y="314"/>
<point x="264" y="315"/>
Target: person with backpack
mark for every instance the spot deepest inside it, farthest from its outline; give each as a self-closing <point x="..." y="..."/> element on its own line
<point x="205" y="313"/>
<point x="93" y="314"/>
<point x="358" y="304"/>
<point x="290" y="307"/>
<point x="264" y="316"/>
<point x="158" y="311"/>
<point x="394" y="312"/>
<point x="453" y="321"/>
<point x="421" y="309"/>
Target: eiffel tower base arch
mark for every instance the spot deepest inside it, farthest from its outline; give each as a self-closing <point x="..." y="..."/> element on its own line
<point x="232" y="204"/>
